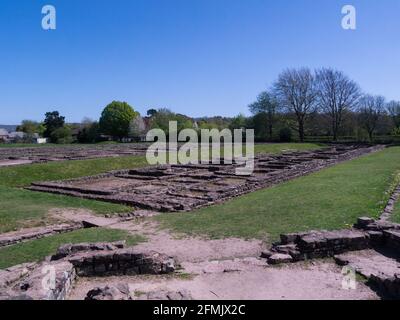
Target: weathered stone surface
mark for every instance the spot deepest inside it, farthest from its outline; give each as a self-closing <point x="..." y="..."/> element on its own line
<point x="70" y="249"/>
<point x="101" y="259"/>
<point x="392" y="238"/>
<point x="122" y="261"/>
<point x="278" y="258"/>
<point x="387" y="285"/>
<point x="31" y="284"/>
<point x="267" y="253"/>
<point x="119" y="292"/>
<point x="166" y="295"/>
<point x="321" y="244"/>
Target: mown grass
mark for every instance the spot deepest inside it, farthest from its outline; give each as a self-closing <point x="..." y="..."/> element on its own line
<point x="37" y="250"/>
<point x="24" y="175"/>
<point x="396" y="213"/>
<point x="330" y="199"/>
<point x="281" y="147"/>
<point x="21" y="208"/>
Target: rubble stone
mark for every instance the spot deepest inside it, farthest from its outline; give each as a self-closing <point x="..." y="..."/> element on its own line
<point x="102" y="259"/>
<point x="278" y="258"/>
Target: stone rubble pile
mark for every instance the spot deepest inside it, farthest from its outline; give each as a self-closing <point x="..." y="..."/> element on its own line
<point x="122" y="292"/>
<point x="29" y="281"/>
<point x="315" y="244"/>
<point x="367" y="233"/>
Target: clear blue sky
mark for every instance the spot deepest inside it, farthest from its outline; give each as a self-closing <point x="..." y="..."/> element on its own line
<point x="198" y="57"/>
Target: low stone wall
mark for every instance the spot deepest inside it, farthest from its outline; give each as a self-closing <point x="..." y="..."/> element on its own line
<point x="30" y="281"/>
<point x="316" y="244"/>
<point x="367" y="233"/>
<point x="387" y="285"/>
<point x="11" y="238"/>
<point x="121" y="262"/>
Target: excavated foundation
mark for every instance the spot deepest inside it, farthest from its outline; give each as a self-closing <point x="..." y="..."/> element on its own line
<point x="20" y="156"/>
<point x="186" y="187"/>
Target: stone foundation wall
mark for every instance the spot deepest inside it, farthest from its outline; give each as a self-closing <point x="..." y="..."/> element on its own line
<point x="188" y="187"/>
<point x="25" y="282"/>
<point x="11" y="238"/>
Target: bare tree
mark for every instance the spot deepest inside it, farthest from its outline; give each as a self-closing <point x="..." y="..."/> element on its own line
<point x="370" y="112"/>
<point x="393" y="108"/>
<point x="296" y="91"/>
<point x="337" y="94"/>
<point x="267" y="104"/>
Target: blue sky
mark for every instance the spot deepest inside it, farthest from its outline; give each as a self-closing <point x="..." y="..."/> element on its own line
<point x="198" y="57"/>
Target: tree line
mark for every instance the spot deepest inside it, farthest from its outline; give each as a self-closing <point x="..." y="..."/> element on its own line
<point x="322" y="102"/>
<point x="301" y="102"/>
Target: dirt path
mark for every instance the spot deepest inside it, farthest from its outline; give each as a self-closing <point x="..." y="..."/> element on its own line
<point x="241" y="279"/>
<point x="221" y="269"/>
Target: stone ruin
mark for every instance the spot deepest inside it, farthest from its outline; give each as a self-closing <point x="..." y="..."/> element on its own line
<point x="10" y="238"/>
<point x="172" y="188"/>
<point x="25" y="282"/>
<point x="367" y="233"/>
<point x="16" y="156"/>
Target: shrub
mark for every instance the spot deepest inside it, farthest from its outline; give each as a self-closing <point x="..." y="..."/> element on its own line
<point x="61" y="135"/>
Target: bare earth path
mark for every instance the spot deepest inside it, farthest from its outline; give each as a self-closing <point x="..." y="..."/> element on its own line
<point x="224" y="269"/>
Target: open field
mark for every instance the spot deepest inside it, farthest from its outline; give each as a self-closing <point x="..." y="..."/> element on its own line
<point x="36" y="250"/>
<point x="21" y="208"/>
<point x="331" y="199"/>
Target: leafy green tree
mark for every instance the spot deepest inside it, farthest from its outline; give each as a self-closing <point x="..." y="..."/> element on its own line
<point x="52" y="122"/>
<point x="163" y="116"/>
<point x="62" y="135"/>
<point x="89" y="133"/>
<point x="115" y="119"/>
<point x="238" y="122"/>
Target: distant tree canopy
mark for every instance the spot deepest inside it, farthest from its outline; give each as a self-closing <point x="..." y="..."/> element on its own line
<point x="267" y="105"/>
<point x="52" y="122"/>
<point x="62" y="135"/>
<point x="31" y="127"/>
<point x="151" y="112"/>
<point x="89" y="131"/>
<point x="163" y="116"/>
<point x="115" y="119"/>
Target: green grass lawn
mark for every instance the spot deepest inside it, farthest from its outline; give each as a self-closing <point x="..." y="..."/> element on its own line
<point x="37" y="250"/>
<point x="396" y="213"/>
<point x="330" y="199"/>
<point x="21" y="208"/>
<point x="280" y="147"/>
<point x="24" y="175"/>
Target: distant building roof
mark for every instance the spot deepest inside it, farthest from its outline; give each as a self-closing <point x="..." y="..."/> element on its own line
<point x="3" y="132"/>
<point x="16" y="134"/>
